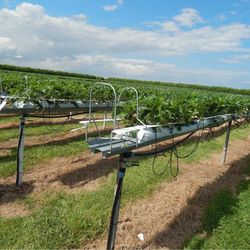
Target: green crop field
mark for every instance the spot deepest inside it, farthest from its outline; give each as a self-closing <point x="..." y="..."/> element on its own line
<point x="66" y="198"/>
<point x="160" y="102"/>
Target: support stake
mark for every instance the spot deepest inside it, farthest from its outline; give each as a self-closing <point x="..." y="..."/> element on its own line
<point x="20" y="151"/>
<point x="116" y="204"/>
<point x="104" y="120"/>
<point x="224" y="156"/>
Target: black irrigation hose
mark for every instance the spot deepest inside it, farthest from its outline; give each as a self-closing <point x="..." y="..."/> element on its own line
<point x="155" y="155"/>
<point x="210" y="134"/>
<point x="48" y="125"/>
<point x="173" y="149"/>
<point x="169" y="162"/>
<point x="56" y="116"/>
<point x="194" y="148"/>
<point x="170" y="165"/>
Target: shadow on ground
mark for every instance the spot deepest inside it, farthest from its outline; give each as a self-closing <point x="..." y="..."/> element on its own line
<point x="189" y="221"/>
<point x="90" y="172"/>
<point x="11" y="193"/>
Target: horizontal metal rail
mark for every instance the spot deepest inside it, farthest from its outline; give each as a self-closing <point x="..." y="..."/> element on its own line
<point x="45" y="107"/>
<point x="158" y="133"/>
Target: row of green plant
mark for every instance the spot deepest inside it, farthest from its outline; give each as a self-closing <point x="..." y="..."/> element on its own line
<point x="159" y="103"/>
<point x="27" y="70"/>
<point x="184" y="108"/>
<point x="41" y="85"/>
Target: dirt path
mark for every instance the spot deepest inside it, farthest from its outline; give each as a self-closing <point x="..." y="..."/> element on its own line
<point x="173" y="213"/>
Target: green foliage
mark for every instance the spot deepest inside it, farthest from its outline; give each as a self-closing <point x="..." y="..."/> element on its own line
<point x="185" y="108"/>
<point x="159" y="102"/>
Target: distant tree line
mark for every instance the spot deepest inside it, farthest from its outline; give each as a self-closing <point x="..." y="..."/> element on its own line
<point x="47" y="72"/>
<point x="185" y="85"/>
<point x="128" y="81"/>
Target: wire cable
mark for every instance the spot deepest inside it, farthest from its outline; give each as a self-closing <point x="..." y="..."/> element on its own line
<point x="154" y="158"/>
<point x="194" y="148"/>
<point x="174" y="175"/>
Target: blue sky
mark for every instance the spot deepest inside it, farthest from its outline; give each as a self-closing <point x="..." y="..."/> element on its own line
<point x="193" y="41"/>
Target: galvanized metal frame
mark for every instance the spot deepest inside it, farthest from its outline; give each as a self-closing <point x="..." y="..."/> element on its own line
<point x="115" y="147"/>
<point x="114" y="103"/>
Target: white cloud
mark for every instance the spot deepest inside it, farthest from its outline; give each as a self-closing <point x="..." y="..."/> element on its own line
<point x="236" y="59"/>
<point x="110" y="7"/>
<point x="80" y="17"/>
<point x="18" y="56"/>
<point x="170" y="26"/>
<point x="29" y="36"/>
<point x="144" y="70"/>
<point x="7" y="48"/>
<point x="6" y="43"/>
<point x="38" y="35"/>
<point x="113" y="7"/>
<point x="188" y="17"/>
<point x="103" y="63"/>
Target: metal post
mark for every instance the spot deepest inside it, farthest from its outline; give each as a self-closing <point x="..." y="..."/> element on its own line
<point x="116" y="204"/>
<point x="104" y="120"/>
<point x="223" y="160"/>
<point x="1" y="86"/>
<point x="20" y="151"/>
<point x="115" y="100"/>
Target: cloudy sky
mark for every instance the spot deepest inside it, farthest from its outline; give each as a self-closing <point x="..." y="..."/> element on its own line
<point x="193" y="41"/>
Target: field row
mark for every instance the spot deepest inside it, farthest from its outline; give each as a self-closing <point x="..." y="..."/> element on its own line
<point x="159" y="103"/>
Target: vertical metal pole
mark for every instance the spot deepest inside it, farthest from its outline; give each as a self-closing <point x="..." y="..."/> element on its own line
<point x="86" y="132"/>
<point x="224" y="156"/>
<point x="116" y="204"/>
<point x="104" y="120"/>
<point x="20" y="151"/>
<point x="1" y="86"/>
